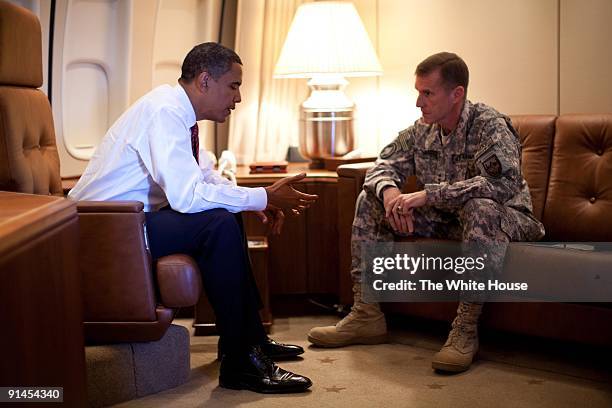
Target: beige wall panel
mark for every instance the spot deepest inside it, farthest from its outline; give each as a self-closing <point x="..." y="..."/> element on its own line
<point x="509" y="46"/>
<point x="143" y="32"/>
<point x="586" y="56"/>
<point x="364" y="91"/>
<point x="179" y="25"/>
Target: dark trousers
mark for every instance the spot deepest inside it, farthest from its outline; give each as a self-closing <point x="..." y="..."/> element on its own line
<point x="216" y="240"/>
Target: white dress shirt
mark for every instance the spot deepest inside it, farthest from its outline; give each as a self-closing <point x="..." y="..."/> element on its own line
<point x="146" y="156"/>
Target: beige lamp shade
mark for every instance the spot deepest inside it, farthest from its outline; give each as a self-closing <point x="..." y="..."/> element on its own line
<point x="327" y="37"/>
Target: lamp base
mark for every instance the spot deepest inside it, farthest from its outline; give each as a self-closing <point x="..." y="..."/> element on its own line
<point x="294" y="155"/>
<point x="326" y="119"/>
<point x="326" y="133"/>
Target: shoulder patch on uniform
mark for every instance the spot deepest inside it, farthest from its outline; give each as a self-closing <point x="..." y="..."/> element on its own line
<point x="491" y="165"/>
<point x="402" y="143"/>
<point x="404" y="132"/>
<point x="405" y="139"/>
<point x="389" y="150"/>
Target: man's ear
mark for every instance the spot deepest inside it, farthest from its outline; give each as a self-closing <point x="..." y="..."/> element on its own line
<point x="459" y="93"/>
<point x="202" y="81"/>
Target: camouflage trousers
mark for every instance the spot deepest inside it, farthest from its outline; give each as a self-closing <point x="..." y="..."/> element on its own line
<point x="482" y="222"/>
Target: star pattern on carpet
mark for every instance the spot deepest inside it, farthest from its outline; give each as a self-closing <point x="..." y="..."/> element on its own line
<point x="535" y="382"/>
<point x="327" y="360"/>
<point x="334" y="389"/>
<point x="435" y="386"/>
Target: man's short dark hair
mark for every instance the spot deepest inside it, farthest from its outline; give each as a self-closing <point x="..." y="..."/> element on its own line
<point x="211" y="57"/>
<point x="453" y="69"/>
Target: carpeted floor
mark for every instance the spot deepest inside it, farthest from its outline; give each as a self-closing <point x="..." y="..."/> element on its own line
<point x="509" y="373"/>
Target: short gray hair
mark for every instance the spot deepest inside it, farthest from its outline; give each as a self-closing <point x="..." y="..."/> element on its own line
<point x="453" y="69"/>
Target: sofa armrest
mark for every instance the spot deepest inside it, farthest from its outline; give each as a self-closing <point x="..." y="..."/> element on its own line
<point x="179" y="280"/>
<point x="109" y="206"/>
<point x="355" y="171"/>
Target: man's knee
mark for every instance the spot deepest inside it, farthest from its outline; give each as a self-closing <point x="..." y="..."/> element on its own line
<point x="369" y="211"/>
<point x="223" y="221"/>
<point x="222" y="216"/>
<point x="478" y="206"/>
<point x="481" y="219"/>
<point x="221" y="241"/>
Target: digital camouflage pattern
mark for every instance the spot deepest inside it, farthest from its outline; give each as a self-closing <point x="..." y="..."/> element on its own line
<point x="472" y="178"/>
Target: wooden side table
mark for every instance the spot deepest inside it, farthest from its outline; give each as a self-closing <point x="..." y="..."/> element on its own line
<point x="304" y="258"/>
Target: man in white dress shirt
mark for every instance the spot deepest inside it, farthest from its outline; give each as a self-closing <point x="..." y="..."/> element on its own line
<point x="147" y="156"/>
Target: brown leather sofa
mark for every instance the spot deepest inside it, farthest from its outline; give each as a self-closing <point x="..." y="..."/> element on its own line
<point x="126" y="297"/>
<point x="567" y="162"/>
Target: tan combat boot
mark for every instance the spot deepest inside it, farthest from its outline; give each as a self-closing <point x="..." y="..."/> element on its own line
<point x="365" y="324"/>
<point x="458" y="352"/>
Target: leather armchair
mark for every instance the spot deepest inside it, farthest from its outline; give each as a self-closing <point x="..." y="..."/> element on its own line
<point x="126" y="297"/>
<point x="124" y="300"/>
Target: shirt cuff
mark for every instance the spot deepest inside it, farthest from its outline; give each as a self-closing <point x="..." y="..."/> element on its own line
<point x="433" y="193"/>
<point x="258" y="199"/>
<point x="381" y="185"/>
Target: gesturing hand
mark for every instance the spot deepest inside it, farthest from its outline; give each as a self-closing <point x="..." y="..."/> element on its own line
<point x="282" y="195"/>
<point x="273" y="218"/>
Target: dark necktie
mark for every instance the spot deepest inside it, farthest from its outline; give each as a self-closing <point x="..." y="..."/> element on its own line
<point x="195" y="143"/>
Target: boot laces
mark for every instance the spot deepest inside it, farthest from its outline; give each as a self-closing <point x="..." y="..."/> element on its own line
<point x="464" y="327"/>
<point x="461" y="332"/>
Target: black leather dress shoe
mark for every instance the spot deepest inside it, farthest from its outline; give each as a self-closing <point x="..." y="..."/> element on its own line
<point x="272" y="349"/>
<point x="256" y="372"/>
<point x="276" y="350"/>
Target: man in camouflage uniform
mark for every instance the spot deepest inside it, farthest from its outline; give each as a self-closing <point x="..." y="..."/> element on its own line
<point x="467" y="160"/>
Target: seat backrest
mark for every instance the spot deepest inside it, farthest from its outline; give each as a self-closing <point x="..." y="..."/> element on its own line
<point x="29" y="161"/>
<point x="536" y="133"/>
<point x="579" y="197"/>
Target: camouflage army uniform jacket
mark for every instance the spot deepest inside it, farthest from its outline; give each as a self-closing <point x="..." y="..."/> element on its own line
<point x="481" y="159"/>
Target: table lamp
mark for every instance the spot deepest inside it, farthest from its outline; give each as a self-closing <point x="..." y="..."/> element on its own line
<point x="326" y="42"/>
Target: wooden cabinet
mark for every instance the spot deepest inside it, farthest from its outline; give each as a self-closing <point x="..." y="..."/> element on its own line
<point x="304" y="258"/>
